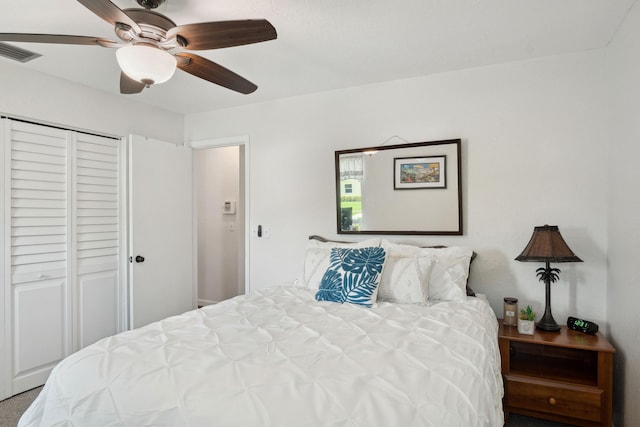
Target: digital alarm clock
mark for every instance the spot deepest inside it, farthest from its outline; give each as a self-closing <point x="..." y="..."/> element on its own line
<point x="582" y="325"/>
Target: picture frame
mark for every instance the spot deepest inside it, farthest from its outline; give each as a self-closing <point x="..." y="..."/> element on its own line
<point x="418" y="173"/>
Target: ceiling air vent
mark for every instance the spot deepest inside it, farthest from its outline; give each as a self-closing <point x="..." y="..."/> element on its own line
<point x="16" y="53"/>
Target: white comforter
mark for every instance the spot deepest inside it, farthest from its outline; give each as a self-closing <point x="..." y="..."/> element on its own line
<point x="279" y="358"/>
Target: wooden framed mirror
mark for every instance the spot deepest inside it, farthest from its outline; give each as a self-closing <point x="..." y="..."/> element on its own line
<point x="400" y="189"/>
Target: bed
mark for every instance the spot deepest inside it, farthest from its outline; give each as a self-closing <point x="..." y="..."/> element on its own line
<point x="286" y="356"/>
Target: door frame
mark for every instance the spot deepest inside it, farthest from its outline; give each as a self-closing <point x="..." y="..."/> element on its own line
<point x="5" y="355"/>
<point x="124" y="315"/>
<point x="238" y="140"/>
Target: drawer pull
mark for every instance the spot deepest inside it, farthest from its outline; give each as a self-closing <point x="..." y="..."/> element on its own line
<point x="552" y="401"/>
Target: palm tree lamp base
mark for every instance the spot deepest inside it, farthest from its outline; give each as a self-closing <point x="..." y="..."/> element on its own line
<point x="547" y="322"/>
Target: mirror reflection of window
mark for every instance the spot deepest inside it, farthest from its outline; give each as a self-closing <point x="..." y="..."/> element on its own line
<point x="351" y="176"/>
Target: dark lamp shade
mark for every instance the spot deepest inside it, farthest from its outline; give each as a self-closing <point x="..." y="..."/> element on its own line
<point x="547" y="244"/>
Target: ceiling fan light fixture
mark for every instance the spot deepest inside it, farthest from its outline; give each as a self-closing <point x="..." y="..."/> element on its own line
<point x="146" y="63"/>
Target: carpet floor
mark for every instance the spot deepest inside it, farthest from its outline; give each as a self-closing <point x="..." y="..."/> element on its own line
<point x="12" y="409"/>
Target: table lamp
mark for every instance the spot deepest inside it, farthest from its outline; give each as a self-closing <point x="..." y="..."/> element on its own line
<point x="547" y="245"/>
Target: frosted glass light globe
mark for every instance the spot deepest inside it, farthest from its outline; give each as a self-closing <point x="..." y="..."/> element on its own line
<point x="146" y="64"/>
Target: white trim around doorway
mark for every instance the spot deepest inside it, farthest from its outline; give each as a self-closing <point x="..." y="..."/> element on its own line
<point x="217" y="143"/>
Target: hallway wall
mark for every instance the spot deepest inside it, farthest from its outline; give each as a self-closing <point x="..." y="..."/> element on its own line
<point x="219" y="234"/>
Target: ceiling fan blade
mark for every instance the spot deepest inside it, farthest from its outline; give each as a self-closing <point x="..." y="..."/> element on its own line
<point x="215" y="35"/>
<point x="55" y="38"/>
<point x="129" y="86"/>
<point x="210" y="71"/>
<point x="110" y="13"/>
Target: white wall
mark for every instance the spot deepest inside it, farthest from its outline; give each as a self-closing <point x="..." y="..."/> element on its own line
<point x="534" y="153"/>
<point x="36" y="96"/>
<point x="220" y="236"/>
<point x="623" y="147"/>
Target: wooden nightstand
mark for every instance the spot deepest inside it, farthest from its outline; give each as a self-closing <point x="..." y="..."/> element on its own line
<point x="564" y="376"/>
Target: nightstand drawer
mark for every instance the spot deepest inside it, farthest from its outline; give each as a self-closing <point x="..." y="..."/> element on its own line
<point x="559" y="399"/>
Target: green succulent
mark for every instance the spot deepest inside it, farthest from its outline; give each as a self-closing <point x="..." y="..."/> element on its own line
<point x="527" y="313"/>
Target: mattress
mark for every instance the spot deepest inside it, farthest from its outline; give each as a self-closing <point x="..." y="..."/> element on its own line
<point x="277" y="357"/>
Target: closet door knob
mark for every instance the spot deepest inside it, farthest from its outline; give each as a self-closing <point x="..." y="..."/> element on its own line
<point x="139" y="258"/>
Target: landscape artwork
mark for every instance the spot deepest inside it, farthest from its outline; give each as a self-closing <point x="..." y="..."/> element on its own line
<point x="419" y="173"/>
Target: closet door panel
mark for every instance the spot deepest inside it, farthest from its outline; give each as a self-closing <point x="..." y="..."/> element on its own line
<point x="39" y="192"/>
<point x="40" y="325"/>
<point x="51" y="251"/>
<point x="96" y="236"/>
<point x="98" y="307"/>
<point x="39" y="251"/>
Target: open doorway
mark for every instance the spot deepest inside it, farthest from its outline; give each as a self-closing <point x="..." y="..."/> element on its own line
<point x="219" y="182"/>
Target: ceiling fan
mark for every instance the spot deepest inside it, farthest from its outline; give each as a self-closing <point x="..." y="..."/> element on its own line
<point x="146" y="37"/>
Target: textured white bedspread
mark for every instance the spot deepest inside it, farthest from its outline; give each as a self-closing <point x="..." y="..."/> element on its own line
<point x="279" y="358"/>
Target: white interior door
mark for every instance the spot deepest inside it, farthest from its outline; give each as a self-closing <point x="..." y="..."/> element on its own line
<point x="160" y="219"/>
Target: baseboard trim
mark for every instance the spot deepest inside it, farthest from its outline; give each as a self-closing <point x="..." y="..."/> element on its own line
<point x="203" y="302"/>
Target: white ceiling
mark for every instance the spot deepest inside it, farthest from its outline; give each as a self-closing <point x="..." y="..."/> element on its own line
<point x="324" y="44"/>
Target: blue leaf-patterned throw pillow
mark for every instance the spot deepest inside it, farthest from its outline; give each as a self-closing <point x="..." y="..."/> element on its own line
<point x="353" y="276"/>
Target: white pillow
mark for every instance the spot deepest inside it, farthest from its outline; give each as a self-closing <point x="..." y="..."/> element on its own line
<point x="448" y="278"/>
<point x="316" y="259"/>
<point x="405" y="280"/>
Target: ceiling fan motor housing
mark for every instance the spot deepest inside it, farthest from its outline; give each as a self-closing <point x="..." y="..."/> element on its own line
<point x="150" y="4"/>
<point x="154" y="27"/>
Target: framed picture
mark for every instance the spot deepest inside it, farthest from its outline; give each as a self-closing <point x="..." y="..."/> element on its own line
<point x="413" y="173"/>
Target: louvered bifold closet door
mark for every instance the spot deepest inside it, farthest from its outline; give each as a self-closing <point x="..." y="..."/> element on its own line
<point x="96" y="236"/>
<point x="65" y="235"/>
<point x="40" y="296"/>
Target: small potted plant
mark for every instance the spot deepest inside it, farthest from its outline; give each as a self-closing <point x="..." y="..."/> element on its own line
<point x="526" y="319"/>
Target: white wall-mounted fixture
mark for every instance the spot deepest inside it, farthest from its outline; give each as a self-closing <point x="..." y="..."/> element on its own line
<point x="229" y="207"/>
